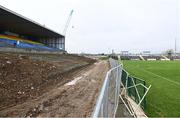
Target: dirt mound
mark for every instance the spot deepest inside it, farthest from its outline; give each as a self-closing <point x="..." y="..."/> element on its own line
<point x="23" y="78"/>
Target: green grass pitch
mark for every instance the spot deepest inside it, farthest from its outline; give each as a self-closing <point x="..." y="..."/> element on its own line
<point x="163" y="99"/>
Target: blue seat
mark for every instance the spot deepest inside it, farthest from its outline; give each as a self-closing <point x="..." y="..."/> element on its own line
<point x="25" y="45"/>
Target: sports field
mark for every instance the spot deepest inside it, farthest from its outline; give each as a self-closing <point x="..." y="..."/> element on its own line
<point x="163" y="99"/>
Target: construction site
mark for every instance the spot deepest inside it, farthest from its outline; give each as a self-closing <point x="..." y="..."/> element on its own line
<point x="40" y="78"/>
<point x="41" y="85"/>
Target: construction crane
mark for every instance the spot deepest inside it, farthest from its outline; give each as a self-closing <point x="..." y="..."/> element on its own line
<point x="68" y="22"/>
<point x="175" y="47"/>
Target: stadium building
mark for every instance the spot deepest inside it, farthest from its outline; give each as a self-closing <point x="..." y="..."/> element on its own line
<point x="21" y="32"/>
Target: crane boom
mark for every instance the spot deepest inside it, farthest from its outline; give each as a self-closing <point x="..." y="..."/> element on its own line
<point x="67" y="23"/>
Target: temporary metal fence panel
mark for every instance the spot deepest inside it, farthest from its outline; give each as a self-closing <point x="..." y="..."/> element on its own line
<point x="108" y="100"/>
<point x="124" y="77"/>
<point x="136" y="93"/>
<point x="110" y="93"/>
<point x="141" y="91"/>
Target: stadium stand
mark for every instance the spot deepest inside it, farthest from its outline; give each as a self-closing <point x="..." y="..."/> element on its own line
<point x="145" y="57"/>
<point x="164" y="57"/>
<point x="17" y="31"/>
<point x="16" y="42"/>
<point x="152" y="57"/>
<point x="141" y="57"/>
<point x="130" y="57"/>
<point x="176" y="57"/>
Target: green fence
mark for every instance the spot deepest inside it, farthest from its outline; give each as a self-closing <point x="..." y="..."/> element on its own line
<point x="135" y="92"/>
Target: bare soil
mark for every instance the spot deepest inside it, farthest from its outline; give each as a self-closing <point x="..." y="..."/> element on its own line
<point x="37" y="85"/>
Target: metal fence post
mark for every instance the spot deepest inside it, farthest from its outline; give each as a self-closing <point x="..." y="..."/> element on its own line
<point x="145" y="104"/>
<point x="135" y="91"/>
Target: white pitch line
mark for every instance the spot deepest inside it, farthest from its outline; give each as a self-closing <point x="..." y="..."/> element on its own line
<point x="161" y="77"/>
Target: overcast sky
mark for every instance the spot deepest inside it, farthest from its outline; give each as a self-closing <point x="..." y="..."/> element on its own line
<point x="103" y="25"/>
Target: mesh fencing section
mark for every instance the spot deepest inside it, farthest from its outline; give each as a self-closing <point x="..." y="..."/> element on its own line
<point x="136" y="93"/>
<point x="108" y="99"/>
<point x="141" y="90"/>
<point x="124" y="77"/>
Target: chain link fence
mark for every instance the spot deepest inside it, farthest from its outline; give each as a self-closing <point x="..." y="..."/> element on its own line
<point x="117" y="82"/>
<point x="108" y="100"/>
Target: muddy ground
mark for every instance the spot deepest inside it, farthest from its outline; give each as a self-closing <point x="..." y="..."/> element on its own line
<point x="49" y="85"/>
